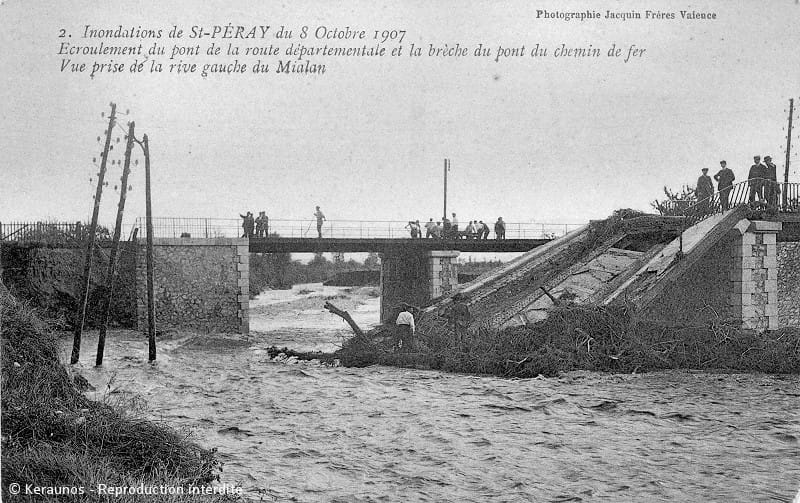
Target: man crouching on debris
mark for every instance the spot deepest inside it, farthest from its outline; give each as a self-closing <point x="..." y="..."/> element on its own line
<point x="405" y="328"/>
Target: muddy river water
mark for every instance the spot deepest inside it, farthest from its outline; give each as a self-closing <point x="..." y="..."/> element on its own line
<point x="305" y="432"/>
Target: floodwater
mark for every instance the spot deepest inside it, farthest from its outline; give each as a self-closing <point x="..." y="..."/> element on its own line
<point x="306" y="432"/>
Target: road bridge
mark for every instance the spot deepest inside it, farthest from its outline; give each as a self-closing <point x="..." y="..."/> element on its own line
<point x="202" y="264"/>
<point x="384" y="245"/>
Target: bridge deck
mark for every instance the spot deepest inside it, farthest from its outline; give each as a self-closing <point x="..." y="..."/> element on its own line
<point x="349" y="245"/>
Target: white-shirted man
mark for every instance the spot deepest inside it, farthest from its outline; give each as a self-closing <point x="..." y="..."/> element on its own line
<point x="405" y="327"/>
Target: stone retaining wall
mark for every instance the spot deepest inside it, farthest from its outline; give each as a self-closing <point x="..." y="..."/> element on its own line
<point x="199" y="284"/>
<point x="51" y="280"/>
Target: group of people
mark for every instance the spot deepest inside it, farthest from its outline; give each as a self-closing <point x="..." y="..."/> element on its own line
<point x="444" y="229"/>
<point x="448" y="229"/>
<point x="255" y="226"/>
<point x="762" y="182"/>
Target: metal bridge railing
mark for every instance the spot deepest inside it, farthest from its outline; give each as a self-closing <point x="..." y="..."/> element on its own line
<point x="165" y="227"/>
<point x="759" y="193"/>
<point x="45" y="232"/>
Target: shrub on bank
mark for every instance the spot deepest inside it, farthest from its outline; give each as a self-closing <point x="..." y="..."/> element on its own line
<point x="54" y="436"/>
<point x="590" y="338"/>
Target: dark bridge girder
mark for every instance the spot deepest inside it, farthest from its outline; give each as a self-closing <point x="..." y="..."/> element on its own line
<point x="350" y="245"/>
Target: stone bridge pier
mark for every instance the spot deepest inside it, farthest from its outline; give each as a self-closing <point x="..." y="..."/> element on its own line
<point x="415" y="277"/>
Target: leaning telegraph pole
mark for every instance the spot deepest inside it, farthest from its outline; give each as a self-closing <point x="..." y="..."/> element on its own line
<point x="112" y="261"/>
<point x="151" y="311"/>
<point x="80" y="317"/>
<point x="788" y="151"/>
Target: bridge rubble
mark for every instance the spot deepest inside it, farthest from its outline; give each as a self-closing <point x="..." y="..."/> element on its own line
<point x="641" y="261"/>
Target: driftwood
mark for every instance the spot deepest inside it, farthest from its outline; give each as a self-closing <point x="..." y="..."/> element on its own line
<point x="555" y="301"/>
<point x="345" y="316"/>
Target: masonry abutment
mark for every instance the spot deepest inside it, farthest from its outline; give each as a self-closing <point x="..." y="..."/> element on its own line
<point x="754" y="278"/>
<point x="415" y="277"/>
<point x="200" y="284"/>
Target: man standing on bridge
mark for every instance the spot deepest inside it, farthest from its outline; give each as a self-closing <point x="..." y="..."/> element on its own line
<point x="500" y="229"/>
<point x="429" y="228"/>
<point x="771" y="189"/>
<point x="704" y="190"/>
<point x="756" y="179"/>
<point x="261" y="224"/>
<point x="320" y="218"/>
<point x="248" y="223"/>
<point x="724" y="178"/>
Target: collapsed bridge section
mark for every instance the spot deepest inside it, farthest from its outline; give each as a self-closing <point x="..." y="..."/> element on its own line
<point x="725" y="267"/>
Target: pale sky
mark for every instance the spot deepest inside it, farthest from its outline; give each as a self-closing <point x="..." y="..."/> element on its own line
<point x="531" y="139"/>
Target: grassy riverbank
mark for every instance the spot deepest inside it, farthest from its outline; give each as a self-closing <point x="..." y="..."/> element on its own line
<point x="589" y="338"/>
<point x="53" y="436"/>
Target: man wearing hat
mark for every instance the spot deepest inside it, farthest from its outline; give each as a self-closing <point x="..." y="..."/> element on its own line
<point x="724" y="178"/>
<point x="704" y="190"/>
<point x="755" y="179"/>
<point x="771" y="187"/>
<point x="320" y="219"/>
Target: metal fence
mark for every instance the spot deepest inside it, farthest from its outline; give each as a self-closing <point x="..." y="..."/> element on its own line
<point x="44" y="232"/>
<point x="164" y="227"/>
<point x="759" y="193"/>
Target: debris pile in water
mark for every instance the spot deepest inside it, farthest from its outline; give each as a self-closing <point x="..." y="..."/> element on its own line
<point x="585" y="337"/>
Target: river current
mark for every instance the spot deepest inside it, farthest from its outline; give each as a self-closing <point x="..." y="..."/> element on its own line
<point x="290" y="431"/>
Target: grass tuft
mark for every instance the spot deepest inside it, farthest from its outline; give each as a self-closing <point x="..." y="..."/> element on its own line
<point x="54" y="436"/>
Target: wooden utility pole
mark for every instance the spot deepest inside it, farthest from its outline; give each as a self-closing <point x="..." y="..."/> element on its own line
<point x="788" y="153"/>
<point x="151" y="312"/>
<point x="112" y="261"/>
<point x="80" y="316"/>
<point x="446" y="169"/>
